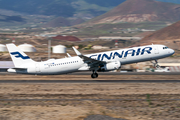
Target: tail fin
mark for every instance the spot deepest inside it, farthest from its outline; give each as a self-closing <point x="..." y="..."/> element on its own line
<point x="18" y="57"/>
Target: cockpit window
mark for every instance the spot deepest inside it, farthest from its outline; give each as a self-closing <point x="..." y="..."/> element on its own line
<point x="165" y="47"/>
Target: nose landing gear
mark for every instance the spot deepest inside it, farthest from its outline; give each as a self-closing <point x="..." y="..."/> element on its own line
<point x="156" y="65"/>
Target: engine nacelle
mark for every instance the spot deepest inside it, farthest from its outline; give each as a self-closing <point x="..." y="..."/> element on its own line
<point x="111" y="66"/>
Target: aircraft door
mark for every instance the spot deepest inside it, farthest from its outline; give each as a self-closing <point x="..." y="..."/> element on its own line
<point x="156" y="50"/>
<point x="37" y="68"/>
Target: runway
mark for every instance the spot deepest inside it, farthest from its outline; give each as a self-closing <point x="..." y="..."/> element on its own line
<point x="110" y="73"/>
<point x="85" y="77"/>
<point x="128" y="73"/>
<point x="90" y="81"/>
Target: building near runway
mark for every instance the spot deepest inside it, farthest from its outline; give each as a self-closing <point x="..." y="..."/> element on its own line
<point x="173" y="67"/>
<point x="3" y="48"/>
<point x="27" y="48"/>
<point x="59" y="49"/>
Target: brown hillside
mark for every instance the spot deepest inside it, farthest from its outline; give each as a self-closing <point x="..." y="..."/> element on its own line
<point x="67" y="38"/>
<point x="169" y="36"/>
<point x="77" y="21"/>
<point x="167" y="33"/>
<point x="140" y="11"/>
<point x="58" y="22"/>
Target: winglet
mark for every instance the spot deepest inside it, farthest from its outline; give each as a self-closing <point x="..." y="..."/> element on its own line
<point x="76" y="51"/>
<point x="69" y="55"/>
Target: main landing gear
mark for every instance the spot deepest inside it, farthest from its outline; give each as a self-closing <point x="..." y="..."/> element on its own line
<point x="94" y="74"/>
<point x="156" y="65"/>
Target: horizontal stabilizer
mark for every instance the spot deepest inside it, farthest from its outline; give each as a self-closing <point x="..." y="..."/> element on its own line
<point x="16" y="70"/>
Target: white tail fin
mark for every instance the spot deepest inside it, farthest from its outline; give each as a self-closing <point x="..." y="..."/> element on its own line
<point x="19" y="58"/>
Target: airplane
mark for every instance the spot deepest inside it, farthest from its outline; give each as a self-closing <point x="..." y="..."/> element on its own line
<point x="96" y="62"/>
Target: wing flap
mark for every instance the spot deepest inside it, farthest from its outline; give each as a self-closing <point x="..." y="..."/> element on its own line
<point x="93" y="63"/>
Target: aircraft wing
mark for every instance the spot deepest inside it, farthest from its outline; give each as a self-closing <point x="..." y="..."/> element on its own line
<point x="91" y="62"/>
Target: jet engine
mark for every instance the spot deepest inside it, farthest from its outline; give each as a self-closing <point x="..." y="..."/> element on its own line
<point x="110" y="66"/>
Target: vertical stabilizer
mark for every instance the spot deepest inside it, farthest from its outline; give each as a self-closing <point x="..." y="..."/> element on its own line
<point x="18" y="57"/>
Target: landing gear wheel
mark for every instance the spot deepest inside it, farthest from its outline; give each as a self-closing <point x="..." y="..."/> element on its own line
<point x="156" y="65"/>
<point x="94" y="75"/>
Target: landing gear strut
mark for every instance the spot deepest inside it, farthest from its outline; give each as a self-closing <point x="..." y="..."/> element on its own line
<point x="156" y="65"/>
<point x="94" y="74"/>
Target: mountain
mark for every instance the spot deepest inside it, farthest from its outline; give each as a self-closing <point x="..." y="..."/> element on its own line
<point x="168" y="33"/>
<point x="63" y="8"/>
<point x="38" y="12"/>
<point x="78" y="11"/>
<point x="170" y="1"/>
<point x="140" y="11"/>
<point x="61" y="21"/>
<point x="57" y="22"/>
<point x="168" y="36"/>
<point x="66" y="8"/>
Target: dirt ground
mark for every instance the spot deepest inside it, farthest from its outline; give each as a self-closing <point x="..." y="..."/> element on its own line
<point x="76" y="101"/>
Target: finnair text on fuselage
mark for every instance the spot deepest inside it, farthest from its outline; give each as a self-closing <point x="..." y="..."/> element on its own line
<point x="122" y="54"/>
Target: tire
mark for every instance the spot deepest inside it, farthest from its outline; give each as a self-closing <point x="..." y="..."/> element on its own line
<point x="94" y="75"/>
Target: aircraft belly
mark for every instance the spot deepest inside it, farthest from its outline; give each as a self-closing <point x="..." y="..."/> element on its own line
<point x="59" y="70"/>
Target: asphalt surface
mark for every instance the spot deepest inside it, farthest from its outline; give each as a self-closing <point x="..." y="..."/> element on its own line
<point x="127" y="73"/>
<point x="90" y="81"/>
<point x="101" y="117"/>
<point x="113" y="73"/>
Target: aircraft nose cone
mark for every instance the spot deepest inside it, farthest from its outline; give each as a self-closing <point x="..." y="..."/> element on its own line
<point x="172" y="51"/>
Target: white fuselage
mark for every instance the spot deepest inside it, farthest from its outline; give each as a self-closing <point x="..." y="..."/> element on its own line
<point x="73" y="64"/>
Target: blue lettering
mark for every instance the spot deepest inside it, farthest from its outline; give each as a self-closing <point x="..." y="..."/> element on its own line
<point x="99" y="57"/>
<point x="92" y="56"/>
<point x="132" y="52"/>
<point x="117" y="54"/>
<point x="146" y="49"/>
<point x="138" y="51"/>
<point x="108" y="57"/>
